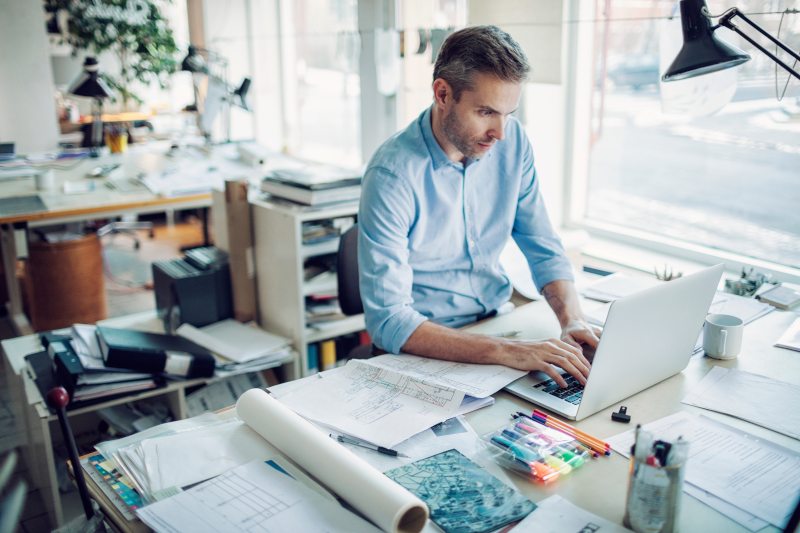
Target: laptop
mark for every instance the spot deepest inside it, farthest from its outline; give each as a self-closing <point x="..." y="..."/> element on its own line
<point x="648" y="337"/>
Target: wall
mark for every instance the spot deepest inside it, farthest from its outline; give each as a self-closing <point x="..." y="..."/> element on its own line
<point x="28" y="114"/>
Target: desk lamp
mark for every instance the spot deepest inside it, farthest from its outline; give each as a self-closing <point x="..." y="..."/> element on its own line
<point x="89" y="83"/>
<point x="703" y="52"/>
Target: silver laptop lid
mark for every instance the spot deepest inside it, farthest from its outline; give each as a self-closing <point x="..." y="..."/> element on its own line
<point x="648" y="337"/>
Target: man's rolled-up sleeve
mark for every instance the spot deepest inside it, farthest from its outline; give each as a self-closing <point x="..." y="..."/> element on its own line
<point x="386" y="214"/>
<point x="534" y="233"/>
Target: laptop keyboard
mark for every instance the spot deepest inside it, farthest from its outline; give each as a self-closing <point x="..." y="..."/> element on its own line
<point x="571" y="394"/>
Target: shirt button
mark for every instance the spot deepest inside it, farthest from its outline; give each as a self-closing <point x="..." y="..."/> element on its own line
<point x="472" y="243"/>
<point x="466" y="208"/>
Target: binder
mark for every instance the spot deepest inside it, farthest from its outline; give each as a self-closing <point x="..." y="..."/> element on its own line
<point x="154" y="353"/>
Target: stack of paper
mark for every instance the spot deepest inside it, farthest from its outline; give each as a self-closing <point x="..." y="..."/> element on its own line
<point x="767" y="402"/>
<point x="791" y="338"/>
<point x="242" y="348"/>
<point x="388" y="399"/>
<point x="750" y="480"/>
<point x="618" y="286"/>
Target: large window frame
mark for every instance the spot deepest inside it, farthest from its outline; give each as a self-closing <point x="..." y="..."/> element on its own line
<point x="579" y="80"/>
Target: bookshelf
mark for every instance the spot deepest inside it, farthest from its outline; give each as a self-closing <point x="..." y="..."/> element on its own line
<point x="280" y="256"/>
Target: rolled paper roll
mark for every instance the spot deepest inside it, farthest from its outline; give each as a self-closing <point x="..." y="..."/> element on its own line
<point x="388" y="505"/>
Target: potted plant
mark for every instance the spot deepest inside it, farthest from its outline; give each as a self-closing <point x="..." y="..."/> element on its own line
<point x="134" y="30"/>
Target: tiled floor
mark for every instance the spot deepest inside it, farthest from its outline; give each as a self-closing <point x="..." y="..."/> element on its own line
<point x="130" y="269"/>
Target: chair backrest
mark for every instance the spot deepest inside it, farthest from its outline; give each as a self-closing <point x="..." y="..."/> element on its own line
<point x="347" y="273"/>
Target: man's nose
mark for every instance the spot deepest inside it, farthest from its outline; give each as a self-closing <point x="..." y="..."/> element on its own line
<point x="498" y="128"/>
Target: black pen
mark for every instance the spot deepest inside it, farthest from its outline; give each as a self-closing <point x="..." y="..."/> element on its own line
<point x="379" y="449"/>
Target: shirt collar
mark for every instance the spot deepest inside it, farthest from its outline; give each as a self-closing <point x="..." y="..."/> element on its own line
<point x="438" y="156"/>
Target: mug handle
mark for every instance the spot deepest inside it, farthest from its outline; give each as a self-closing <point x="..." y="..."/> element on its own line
<point x="723" y="337"/>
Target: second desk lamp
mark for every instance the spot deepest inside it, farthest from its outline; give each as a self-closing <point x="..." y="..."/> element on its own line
<point x="89" y="83"/>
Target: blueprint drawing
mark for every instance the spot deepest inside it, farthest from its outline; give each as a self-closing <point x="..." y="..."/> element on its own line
<point x="475" y="380"/>
<point x="375" y="404"/>
<point x="462" y="496"/>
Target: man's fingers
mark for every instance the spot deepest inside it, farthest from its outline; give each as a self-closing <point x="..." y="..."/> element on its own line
<point x="548" y="369"/>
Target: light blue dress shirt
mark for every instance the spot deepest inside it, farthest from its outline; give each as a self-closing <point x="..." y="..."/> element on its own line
<point x="431" y="232"/>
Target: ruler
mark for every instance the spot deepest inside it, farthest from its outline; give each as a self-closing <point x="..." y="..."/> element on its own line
<point x="115" y="498"/>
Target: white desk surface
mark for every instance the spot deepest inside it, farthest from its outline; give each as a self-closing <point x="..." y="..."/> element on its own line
<point x="144" y="158"/>
<point x="600" y="487"/>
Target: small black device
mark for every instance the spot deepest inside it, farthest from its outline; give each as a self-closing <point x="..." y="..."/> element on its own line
<point x="621" y="416"/>
<point x="7" y="152"/>
<point x="67" y="363"/>
<point x="195" y="290"/>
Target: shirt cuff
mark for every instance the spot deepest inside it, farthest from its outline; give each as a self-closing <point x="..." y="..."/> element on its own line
<point x="553" y="269"/>
<point x="399" y="328"/>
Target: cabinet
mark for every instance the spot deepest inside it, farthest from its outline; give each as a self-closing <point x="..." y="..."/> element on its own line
<point x="280" y="256"/>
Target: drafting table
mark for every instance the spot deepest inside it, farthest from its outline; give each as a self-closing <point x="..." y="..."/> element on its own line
<point x="601" y="486"/>
<point x="103" y="202"/>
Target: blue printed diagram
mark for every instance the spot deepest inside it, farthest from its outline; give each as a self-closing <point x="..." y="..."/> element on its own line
<point x="462" y="496"/>
<point x="383" y="388"/>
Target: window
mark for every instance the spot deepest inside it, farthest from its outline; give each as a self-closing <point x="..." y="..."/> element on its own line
<point x="729" y="181"/>
<point x="325" y="114"/>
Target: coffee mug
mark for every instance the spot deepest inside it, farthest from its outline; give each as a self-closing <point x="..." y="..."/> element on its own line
<point x="722" y="336"/>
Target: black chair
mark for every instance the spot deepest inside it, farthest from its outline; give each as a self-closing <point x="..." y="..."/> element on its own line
<point x="347" y="273"/>
<point x="347" y="280"/>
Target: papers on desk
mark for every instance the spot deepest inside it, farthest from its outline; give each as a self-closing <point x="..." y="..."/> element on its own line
<point x="618" y="286"/>
<point x="194" y="178"/>
<point x="791" y="338"/>
<point x="764" y="401"/>
<point x="245" y="348"/>
<point x="557" y="515"/>
<point x="755" y="475"/>
<point x="253" y="497"/>
<point x="222" y="393"/>
<point x="374" y="404"/>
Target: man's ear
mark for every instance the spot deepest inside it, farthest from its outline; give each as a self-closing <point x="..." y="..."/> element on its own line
<point x="442" y="93"/>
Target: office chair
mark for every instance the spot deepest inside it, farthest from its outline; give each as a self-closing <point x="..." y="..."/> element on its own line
<point x="347" y="280"/>
<point x="13" y="498"/>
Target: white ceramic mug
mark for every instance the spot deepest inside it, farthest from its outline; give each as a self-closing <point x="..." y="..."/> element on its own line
<point x="722" y="336"/>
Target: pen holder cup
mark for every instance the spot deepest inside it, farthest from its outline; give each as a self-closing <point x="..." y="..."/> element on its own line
<point x="653" y="503"/>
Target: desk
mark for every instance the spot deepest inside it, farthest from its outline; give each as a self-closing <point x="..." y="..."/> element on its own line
<point x="100" y="203"/>
<point x="601" y="486"/>
<point x="41" y="427"/>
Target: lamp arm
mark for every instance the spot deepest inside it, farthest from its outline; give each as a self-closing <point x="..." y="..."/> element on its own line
<point x="725" y="21"/>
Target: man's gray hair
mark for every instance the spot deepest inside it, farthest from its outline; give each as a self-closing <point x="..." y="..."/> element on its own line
<point x="486" y="49"/>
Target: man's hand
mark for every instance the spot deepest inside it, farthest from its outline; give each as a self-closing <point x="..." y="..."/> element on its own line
<point x="542" y="355"/>
<point x="577" y="332"/>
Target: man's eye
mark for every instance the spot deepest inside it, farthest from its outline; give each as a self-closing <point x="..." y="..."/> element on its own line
<point x="486" y="113"/>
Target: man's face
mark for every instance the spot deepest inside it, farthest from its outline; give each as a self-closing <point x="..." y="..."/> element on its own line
<point x="476" y="121"/>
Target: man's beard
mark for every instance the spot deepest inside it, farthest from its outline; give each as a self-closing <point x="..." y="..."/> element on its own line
<point x="457" y="134"/>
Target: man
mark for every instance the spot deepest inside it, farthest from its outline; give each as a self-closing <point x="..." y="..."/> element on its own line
<point x="439" y="202"/>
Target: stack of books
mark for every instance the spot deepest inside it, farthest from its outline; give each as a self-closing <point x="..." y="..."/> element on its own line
<point x="314" y="185"/>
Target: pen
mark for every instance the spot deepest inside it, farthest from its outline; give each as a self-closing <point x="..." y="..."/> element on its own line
<point x="379" y="449"/>
<point x="505" y="334"/>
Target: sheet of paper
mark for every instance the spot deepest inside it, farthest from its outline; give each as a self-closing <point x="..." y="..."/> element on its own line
<point x="791" y="338"/>
<point x="375" y="404"/>
<point x="479" y="381"/>
<point x="282" y="389"/>
<point x="557" y="515"/>
<point x="739" y="516"/>
<point x="233" y="340"/>
<point x="755" y="475"/>
<point x="253" y="497"/>
<point x="618" y="286"/>
<point x="192" y="456"/>
<point x="764" y="401"/>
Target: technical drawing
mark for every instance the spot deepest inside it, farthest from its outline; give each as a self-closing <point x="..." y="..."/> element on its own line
<point x="462" y="496"/>
<point x="240" y="502"/>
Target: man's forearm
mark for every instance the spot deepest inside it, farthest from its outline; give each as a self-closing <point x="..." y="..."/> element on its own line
<point x="563" y="299"/>
<point x="440" y="342"/>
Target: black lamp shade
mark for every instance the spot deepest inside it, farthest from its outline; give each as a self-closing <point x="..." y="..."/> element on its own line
<point x="703" y="52"/>
<point x="89" y="83"/>
<point x="240" y="95"/>
<point x="194" y="62"/>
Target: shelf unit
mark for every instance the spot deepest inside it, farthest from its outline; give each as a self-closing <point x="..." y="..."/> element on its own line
<point x="279" y="256"/>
